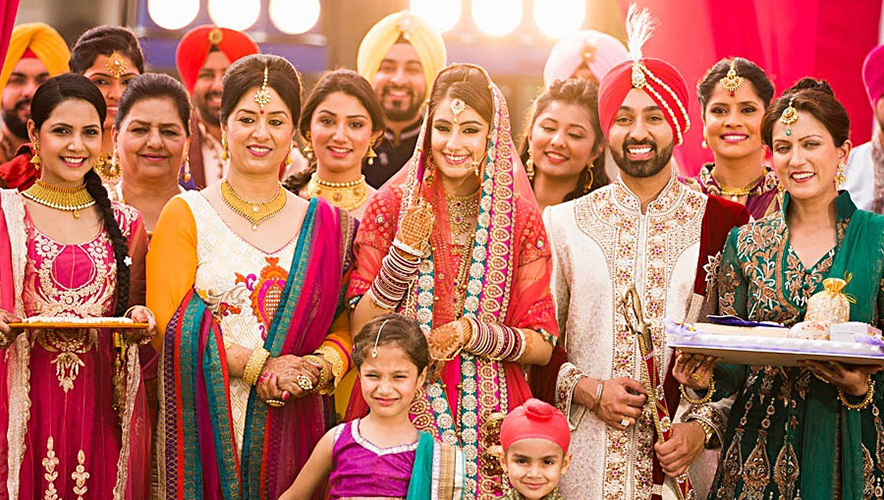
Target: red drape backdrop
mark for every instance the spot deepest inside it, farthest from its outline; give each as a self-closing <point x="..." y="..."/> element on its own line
<point x="789" y="39"/>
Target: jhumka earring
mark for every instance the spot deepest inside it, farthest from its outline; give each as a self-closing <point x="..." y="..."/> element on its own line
<point x="475" y="164"/>
<point x="262" y="96"/>
<point x="789" y="116"/>
<point x="186" y="175"/>
<point x="839" y="175"/>
<point x="288" y="159"/>
<point x="36" y="160"/>
<point x="704" y="144"/>
<point x="308" y="147"/>
<point x="225" y="155"/>
<point x="731" y="82"/>
<point x="529" y="167"/>
<point x="371" y="155"/>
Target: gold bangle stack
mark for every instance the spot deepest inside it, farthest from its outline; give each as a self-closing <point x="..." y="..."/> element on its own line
<point x="705" y="399"/>
<point x="870" y="394"/>
<point x="337" y="363"/>
<point x="256" y="363"/>
<point x="325" y="375"/>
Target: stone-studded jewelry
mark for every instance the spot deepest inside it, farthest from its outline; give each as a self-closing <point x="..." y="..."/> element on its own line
<point x="457" y="106"/>
<point x="262" y="96"/>
<point x="789" y="116"/>
<point x="116" y="65"/>
<point x="732" y="82"/>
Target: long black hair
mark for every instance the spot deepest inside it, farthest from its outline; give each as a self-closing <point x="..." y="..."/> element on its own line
<point x="48" y="97"/>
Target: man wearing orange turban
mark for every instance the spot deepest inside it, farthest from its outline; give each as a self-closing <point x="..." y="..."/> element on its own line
<point x="203" y="55"/>
<point x="648" y="232"/>
<point x="399" y="56"/>
<point x="36" y="53"/>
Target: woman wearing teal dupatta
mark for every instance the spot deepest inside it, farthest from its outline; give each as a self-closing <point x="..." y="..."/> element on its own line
<point x="248" y="293"/>
<point x="809" y="432"/>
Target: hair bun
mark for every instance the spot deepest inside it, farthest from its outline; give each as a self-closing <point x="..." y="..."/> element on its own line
<point x="538" y="410"/>
<point x="808" y="83"/>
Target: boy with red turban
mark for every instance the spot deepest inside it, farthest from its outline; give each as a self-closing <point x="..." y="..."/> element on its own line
<point x="646" y="230"/>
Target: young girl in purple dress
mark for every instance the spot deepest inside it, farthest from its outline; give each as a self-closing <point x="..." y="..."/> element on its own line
<point x="383" y="455"/>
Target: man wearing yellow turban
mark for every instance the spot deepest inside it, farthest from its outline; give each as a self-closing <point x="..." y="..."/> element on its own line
<point x="400" y="56"/>
<point x="36" y="53"/>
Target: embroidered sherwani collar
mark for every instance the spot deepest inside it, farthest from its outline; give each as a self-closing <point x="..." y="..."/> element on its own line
<point x="628" y="201"/>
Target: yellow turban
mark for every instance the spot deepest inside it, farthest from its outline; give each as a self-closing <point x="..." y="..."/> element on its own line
<point x="427" y="42"/>
<point x="49" y="47"/>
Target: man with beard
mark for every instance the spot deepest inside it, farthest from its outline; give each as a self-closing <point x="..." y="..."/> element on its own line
<point x="646" y="230"/>
<point x="36" y="53"/>
<point x="400" y="57"/>
<point x="202" y="58"/>
<point x="865" y="166"/>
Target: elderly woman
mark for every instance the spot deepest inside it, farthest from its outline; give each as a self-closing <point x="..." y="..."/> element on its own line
<point x="813" y="431"/>
<point x="457" y="242"/>
<point x="246" y="278"/>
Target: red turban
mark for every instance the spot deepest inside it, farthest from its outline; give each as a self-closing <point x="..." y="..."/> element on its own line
<point x="196" y="44"/>
<point x="873" y="74"/>
<point x="659" y="79"/>
<point x="535" y="419"/>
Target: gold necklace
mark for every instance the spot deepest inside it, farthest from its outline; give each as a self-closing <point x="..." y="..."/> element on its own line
<point x="255" y="212"/>
<point x="461" y="210"/>
<point x="59" y="198"/>
<point x="344" y="195"/>
<point x="733" y="192"/>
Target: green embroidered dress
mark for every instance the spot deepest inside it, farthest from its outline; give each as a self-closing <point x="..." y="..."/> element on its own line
<point x="788" y="436"/>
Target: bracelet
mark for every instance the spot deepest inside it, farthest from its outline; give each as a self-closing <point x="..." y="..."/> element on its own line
<point x="599" y="389"/>
<point x="253" y="368"/>
<point x="393" y="280"/>
<point x="324" y="373"/>
<point x="870" y="394"/>
<point x="408" y="249"/>
<point x="708" y="433"/>
<point x="705" y="399"/>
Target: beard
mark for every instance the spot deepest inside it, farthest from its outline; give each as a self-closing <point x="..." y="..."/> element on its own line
<point x="644" y="168"/>
<point x="207" y="115"/>
<point x="14" y="124"/>
<point x="401" y="112"/>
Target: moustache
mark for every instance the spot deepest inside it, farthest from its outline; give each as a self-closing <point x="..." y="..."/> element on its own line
<point x="390" y="88"/>
<point x="26" y="102"/>
<point x="633" y="142"/>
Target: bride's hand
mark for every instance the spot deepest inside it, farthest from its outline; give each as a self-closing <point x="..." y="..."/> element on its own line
<point x="416" y="225"/>
<point x="448" y="340"/>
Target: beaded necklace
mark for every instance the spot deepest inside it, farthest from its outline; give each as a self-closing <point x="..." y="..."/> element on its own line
<point x="67" y="199"/>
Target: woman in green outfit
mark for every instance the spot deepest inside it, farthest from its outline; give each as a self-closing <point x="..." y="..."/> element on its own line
<point x="815" y="431"/>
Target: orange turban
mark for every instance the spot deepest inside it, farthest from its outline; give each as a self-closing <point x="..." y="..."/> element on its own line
<point x="194" y="47"/>
<point x="41" y="40"/>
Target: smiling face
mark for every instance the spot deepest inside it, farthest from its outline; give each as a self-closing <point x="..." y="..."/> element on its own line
<point x="400" y="83"/>
<point x="27" y="75"/>
<point x="258" y="142"/>
<point x="151" y="140"/>
<point x="70" y="141"/>
<point x="340" y="132"/>
<point x="456" y="145"/>
<point x="111" y="88"/>
<point x="806" y="161"/>
<point x="535" y="466"/>
<point x="641" y="140"/>
<point x="389" y="381"/>
<point x="207" y="90"/>
<point x="563" y="141"/>
<point x="733" y="123"/>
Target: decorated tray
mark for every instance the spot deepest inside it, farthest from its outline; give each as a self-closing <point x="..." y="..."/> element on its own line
<point x="768" y="344"/>
<point x="60" y="322"/>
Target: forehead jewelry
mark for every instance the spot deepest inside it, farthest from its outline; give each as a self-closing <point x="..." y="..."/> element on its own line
<point x="789" y="116"/>
<point x="374" y="350"/>
<point x="457" y="107"/>
<point x="262" y="97"/>
<point x="116" y="65"/>
<point x="731" y="82"/>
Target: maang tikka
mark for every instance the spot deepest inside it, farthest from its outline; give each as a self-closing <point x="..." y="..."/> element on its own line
<point x="262" y="96"/>
<point x="457" y="106"/>
<point x="732" y="82"/>
<point x="789" y="116"/>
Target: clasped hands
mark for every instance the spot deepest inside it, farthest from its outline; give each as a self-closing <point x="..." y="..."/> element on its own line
<point x="282" y="378"/>
<point x="622" y="404"/>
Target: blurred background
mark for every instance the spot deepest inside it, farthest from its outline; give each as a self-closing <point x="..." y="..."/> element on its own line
<point x="512" y="38"/>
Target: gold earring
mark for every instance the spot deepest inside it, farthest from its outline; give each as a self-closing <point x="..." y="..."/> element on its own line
<point x="225" y="155"/>
<point x="587" y="186"/>
<point x="475" y="164"/>
<point x="36" y="161"/>
<point x="308" y="147"/>
<point x="115" y="168"/>
<point x="529" y="167"/>
<point x="704" y="144"/>
<point x="371" y="155"/>
<point x="839" y="176"/>
<point x="187" y="175"/>
<point x="288" y="159"/>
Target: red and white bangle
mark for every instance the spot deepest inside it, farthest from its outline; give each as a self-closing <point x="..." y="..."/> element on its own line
<point x="496" y="341"/>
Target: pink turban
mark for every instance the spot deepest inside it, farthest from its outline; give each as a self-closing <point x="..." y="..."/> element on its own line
<point x="873" y="74"/>
<point x="535" y="419"/>
<point x="659" y="79"/>
<point x="600" y="51"/>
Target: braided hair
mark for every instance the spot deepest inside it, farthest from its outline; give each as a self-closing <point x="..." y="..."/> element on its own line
<point x="47" y="97"/>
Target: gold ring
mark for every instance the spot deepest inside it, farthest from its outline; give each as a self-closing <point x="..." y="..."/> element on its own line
<point x="695" y="377"/>
<point x="275" y="403"/>
<point x="625" y="422"/>
<point x="305" y="383"/>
